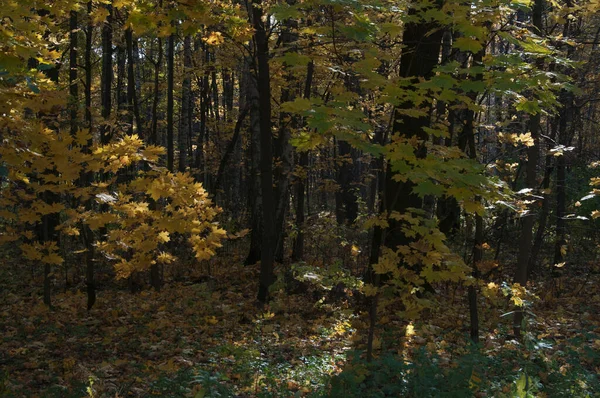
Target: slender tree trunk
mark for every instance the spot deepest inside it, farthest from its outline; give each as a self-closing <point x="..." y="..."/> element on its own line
<point x="345" y="199"/>
<point x="106" y="76"/>
<point x="88" y="68"/>
<point x="215" y="89"/>
<point x="132" y="99"/>
<point x="298" y="248"/>
<point x="185" y="124"/>
<point x="156" y="95"/>
<point x="528" y="221"/>
<point x="266" y="151"/>
<point x="254" y="191"/>
<point x="543" y="219"/>
<point x="170" y="101"/>
<point x="468" y="133"/>
<point x="88" y="177"/>
<point x="564" y="138"/>
<point x="121" y="92"/>
<point x="73" y="86"/>
<point x="230" y="148"/>
<point x="283" y="148"/>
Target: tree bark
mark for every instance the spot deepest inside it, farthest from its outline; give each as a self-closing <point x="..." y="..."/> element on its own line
<point x="170" y="101"/>
<point x="266" y="151"/>
<point x="106" y="77"/>
<point x="132" y="99"/>
<point x="73" y="86"/>
<point x="420" y="55"/>
<point x="298" y="248"/>
<point x="528" y="220"/>
<point x="185" y="123"/>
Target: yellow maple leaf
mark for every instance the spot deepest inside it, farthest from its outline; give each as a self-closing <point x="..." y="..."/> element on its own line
<point x="370" y="290"/>
<point x="526" y="139"/>
<point x="214" y="39"/>
<point x="163" y="237"/>
<point x="517" y="300"/>
<point x="52" y="258"/>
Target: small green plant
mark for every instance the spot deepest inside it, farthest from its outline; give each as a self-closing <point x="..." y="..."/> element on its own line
<point x="90" y="387"/>
<point x="210" y="385"/>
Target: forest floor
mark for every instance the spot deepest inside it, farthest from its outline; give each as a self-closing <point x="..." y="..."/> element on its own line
<point x="210" y="339"/>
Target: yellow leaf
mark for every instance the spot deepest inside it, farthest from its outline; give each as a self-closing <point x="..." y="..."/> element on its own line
<point x="370" y="290"/>
<point x="165" y="258"/>
<point x="526" y="139"/>
<point x="563" y="250"/>
<point x="560" y="265"/>
<point x="71" y="231"/>
<point x="163" y="237"/>
<point x="52" y="258"/>
<point x="517" y="300"/>
<point x="214" y="39"/>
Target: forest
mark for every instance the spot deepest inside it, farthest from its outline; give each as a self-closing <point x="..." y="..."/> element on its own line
<point x="299" y="198"/>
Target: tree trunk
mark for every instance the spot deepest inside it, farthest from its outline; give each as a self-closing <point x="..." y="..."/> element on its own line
<point x="132" y="99"/>
<point x="298" y="248"/>
<point x="345" y="199"/>
<point x="266" y="151"/>
<point x="420" y="55"/>
<point x="528" y="221"/>
<point x="170" y="101"/>
<point x="106" y="76"/>
<point x="185" y="124"/>
<point x="73" y="87"/>
<point x="87" y="178"/>
<point x="88" y="69"/>
<point x="254" y="192"/>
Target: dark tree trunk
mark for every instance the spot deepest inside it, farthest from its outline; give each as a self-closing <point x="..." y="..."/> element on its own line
<point x="420" y="55"/>
<point x="230" y="148"/>
<point x="132" y="99"/>
<point x="88" y="177"/>
<point x="528" y="221"/>
<point x="107" y="76"/>
<point x="73" y="87"/>
<point x="156" y="95"/>
<point x="170" y="101"/>
<point x="543" y="219"/>
<point x="266" y="151"/>
<point x="564" y="138"/>
<point x="185" y="124"/>
<point x="121" y="93"/>
<point x="283" y="148"/>
<point x="254" y="192"/>
<point x="346" y="209"/>
<point x="298" y="248"/>
<point x="88" y="69"/>
<point x="419" y="58"/>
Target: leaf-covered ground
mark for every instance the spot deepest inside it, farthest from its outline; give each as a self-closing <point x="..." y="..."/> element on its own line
<point x="190" y="336"/>
<point x="209" y="338"/>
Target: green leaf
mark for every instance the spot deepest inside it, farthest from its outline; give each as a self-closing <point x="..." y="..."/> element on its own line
<point x="295" y="59"/>
<point x="428" y="187"/>
<point x="467" y="44"/>
<point x="531" y="46"/>
<point x="297" y="106"/>
<point x="282" y="11"/>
